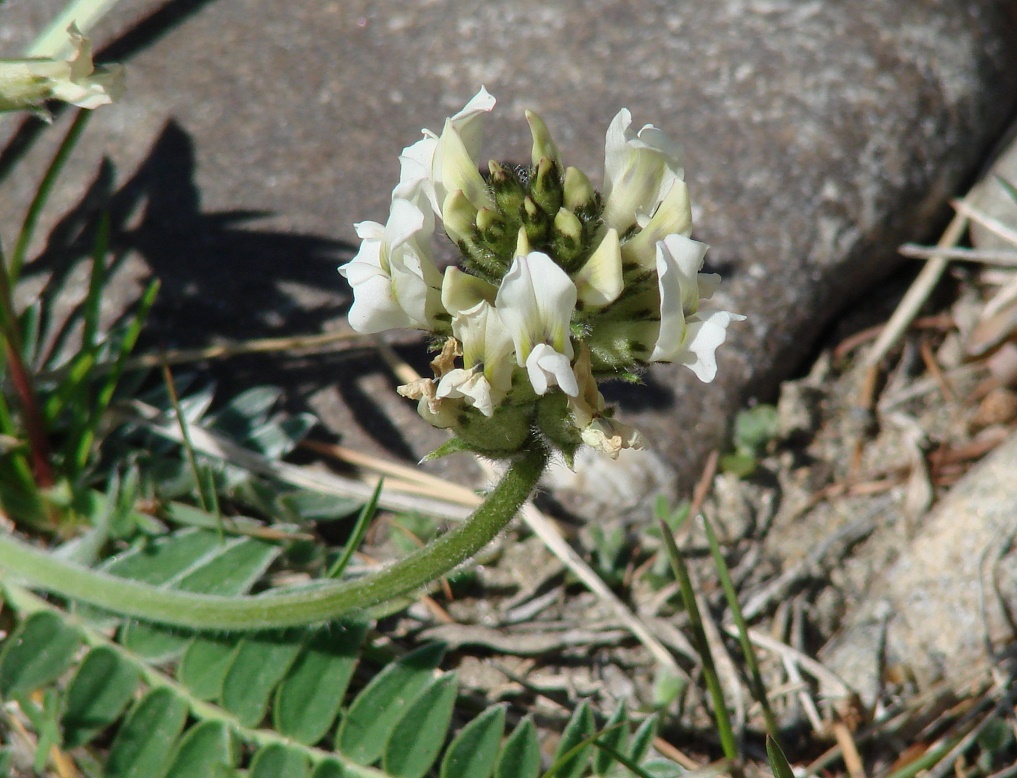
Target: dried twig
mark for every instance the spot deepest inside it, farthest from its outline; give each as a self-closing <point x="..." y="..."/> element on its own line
<point x="1000" y="257"/>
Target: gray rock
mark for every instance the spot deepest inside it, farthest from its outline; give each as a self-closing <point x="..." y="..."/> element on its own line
<point x="818" y="135"/>
<point x="944" y="609"/>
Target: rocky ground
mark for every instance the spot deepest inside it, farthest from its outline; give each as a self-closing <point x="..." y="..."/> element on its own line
<point x="820" y="136"/>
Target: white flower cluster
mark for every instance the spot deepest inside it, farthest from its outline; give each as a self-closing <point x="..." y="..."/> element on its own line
<point x="26" y="84"/>
<point x="558" y="285"/>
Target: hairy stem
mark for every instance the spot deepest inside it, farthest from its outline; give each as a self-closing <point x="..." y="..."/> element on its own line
<point x="39" y="570"/>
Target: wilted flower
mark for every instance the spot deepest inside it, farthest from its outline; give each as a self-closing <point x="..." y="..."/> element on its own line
<point x="26" y="84"/>
<point x="559" y="286"/>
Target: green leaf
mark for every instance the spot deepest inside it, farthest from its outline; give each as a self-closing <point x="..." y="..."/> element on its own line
<point x="204" y="665"/>
<point x="317" y="506"/>
<point x="329" y="768"/>
<point x="571" y="758"/>
<point x="520" y="758"/>
<point x="260" y="662"/>
<point x="6" y="761"/>
<point x="741" y="464"/>
<point x="145" y="741"/>
<point x="99" y="692"/>
<point x="244" y="414"/>
<point x="615" y="735"/>
<point x="227" y="567"/>
<point x="755" y="427"/>
<point x="639" y="747"/>
<point x="417" y="739"/>
<point x="309" y="698"/>
<point x="662" y="768"/>
<point x="375" y="712"/>
<point x="277" y="760"/>
<point x="204" y="751"/>
<point x="778" y="762"/>
<point x="474" y="751"/>
<point x="39" y="651"/>
<point x="166" y="559"/>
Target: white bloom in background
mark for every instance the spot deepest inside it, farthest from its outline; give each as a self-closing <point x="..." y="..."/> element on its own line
<point x="536" y="300"/>
<point x="640" y="169"/>
<point x="395" y="282"/>
<point x="688" y="334"/>
<point x="486" y="377"/>
<point x="439" y="165"/>
<point x="25" y="84"/>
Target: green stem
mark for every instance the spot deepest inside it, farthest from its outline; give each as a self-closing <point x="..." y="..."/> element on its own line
<point x="39" y="570"/>
<point x="53" y="42"/>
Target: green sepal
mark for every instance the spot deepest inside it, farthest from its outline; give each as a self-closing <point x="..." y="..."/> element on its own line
<point x="555" y="422"/>
<point x="506" y="187"/>
<point x="498" y="436"/>
<point x="536" y="222"/>
<point x="450" y="446"/>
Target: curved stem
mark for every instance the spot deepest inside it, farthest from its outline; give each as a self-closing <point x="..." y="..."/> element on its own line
<point x="39" y="570"/>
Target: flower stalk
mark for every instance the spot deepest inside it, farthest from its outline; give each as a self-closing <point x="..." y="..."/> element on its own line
<point x="325" y="601"/>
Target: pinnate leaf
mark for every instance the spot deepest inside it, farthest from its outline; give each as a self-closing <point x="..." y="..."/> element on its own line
<point x="474" y="751"/>
<point x="520" y="757"/>
<point x="145" y="741"/>
<point x="309" y="698"/>
<point x="99" y="692"/>
<point x="260" y="662"/>
<point x="203" y="752"/>
<point x="372" y="716"/>
<point x="39" y="651"/>
<point x="419" y="736"/>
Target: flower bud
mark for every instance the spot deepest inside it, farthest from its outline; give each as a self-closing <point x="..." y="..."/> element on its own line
<point x="546" y="187"/>
<point x="508" y="190"/>
<point x="567" y="240"/>
<point x="579" y="192"/>
<point x="543" y="144"/>
<point x="522" y="243"/>
<point x="536" y="222"/>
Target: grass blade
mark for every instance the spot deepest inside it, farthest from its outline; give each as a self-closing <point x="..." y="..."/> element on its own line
<point x="42" y="194"/>
<point x="681" y="573"/>
<point x="758" y="688"/>
<point x="359" y="530"/>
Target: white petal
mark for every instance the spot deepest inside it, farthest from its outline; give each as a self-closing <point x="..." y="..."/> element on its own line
<point x="673" y="216"/>
<point x="486" y="342"/>
<point x="468" y="121"/>
<point x="460" y="291"/>
<point x="639" y="170"/>
<point x="547" y="367"/>
<point x="707" y="330"/>
<point x="536" y="300"/>
<point x="369" y="230"/>
<point x="678" y="260"/>
<point x="375" y="308"/>
<point x="415" y="165"/>
<point x="600" y="281"/>
<point x="470" y="384"/>
<point x="457" y="169"/>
